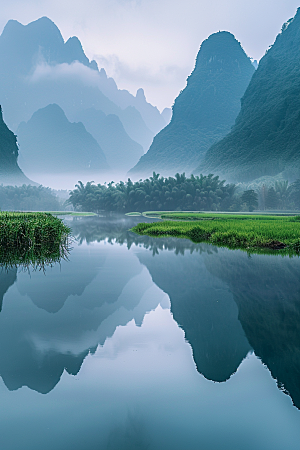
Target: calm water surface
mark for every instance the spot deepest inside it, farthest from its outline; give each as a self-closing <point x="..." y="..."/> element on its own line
<point x="141" y="343"/>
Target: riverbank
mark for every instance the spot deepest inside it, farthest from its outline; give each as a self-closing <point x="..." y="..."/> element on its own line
<point x="254" y="233"/>
<point x="32" y="238"/>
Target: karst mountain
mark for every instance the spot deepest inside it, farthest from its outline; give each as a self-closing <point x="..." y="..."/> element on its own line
<point x="265" y="139"/>
<point x="205" y="110"/>
<point x="10" y="172"/>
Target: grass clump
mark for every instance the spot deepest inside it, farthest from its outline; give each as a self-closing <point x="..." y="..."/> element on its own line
<point x="251" y="233"/>
<point x="32" y="239"/>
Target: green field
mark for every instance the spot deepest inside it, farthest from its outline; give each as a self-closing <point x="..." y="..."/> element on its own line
<point x="32" y="239"/>
<point x="254" y="233"/>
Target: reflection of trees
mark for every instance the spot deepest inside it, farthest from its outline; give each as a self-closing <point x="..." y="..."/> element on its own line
<point x="116" y="229"/>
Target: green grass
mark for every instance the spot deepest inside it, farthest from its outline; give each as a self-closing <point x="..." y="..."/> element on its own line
<point x="254" y="233"/>
<point x="193" y="215"/>
<point x="32" y="239"/>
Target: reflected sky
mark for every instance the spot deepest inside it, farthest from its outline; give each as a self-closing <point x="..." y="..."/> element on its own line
<point x="149" y="345"/>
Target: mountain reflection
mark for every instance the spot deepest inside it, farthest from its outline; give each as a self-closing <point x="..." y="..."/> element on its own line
<point x="249" y="302"/>
<point x="203" y="306"/>
<point x="267" y="293"/>
<point x="51" y="320"/>
<point x="7" y="279"/>
<point x="227" y="303"/>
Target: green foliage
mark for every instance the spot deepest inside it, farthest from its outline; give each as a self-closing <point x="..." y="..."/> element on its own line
<point x="250" y="198"/>
<point x="203" y="193"/>
<point x="252" y="233"/>
<point x="266" y="136"/>
<point x="28" y="198"/>
<point x="32" y="239"/>
<point x="156" y="193"/>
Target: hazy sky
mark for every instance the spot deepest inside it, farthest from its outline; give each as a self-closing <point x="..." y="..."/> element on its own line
<point x="153" y="43"/>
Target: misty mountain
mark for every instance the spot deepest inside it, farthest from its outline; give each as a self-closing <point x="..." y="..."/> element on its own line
<point x="10" y="172"/>
<point x="150" y="114"/>
<point x="120" y="150"/>
<point x="167" y="115"/>
<point x="49" y="143"/>
<point x="266" y="137"/>
<point x="38" y="68"/>
<point x="205" y="110"/>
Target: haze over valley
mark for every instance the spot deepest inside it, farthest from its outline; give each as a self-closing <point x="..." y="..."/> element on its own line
<point x="73" y="123"/>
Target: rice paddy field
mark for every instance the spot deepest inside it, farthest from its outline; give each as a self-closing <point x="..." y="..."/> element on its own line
<point x="32" y="239"/>
<point x="254" y="233"/>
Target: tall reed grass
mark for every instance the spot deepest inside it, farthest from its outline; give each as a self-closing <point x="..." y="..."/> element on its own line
<point x="32" y="239"/>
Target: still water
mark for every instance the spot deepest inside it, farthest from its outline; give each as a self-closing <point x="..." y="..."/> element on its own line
<point x="141" y="343"/>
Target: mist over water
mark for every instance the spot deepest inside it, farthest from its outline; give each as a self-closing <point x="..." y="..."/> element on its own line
<point x="68" y="180"/>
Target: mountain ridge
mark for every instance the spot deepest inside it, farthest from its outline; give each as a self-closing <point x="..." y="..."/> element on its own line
<point x="205" y="110"/>
<point x="37" y="68"/>
<point x="10" y="172"/>
<point x="49" y="143"/>
<point x="266" y="136"/>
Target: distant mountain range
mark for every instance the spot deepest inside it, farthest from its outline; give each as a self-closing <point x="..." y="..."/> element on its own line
<point x="220" y="123"/>
<point x="204" y="111"/>
<point x="266" y="137"/>
<point x="52" y="144"/>
<point x="10" y="172"/>
<point x="120" y="150"/>
<point x="38" y="68"/>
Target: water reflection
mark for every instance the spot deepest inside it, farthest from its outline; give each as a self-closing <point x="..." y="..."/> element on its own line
<point x="204" y="307"/>
<point x="226" y="302"/>
<point x="7" y="278"/>
<point x="132" y="435"/>
<point x="267" y="293"/>
<point x="87" y="297"/>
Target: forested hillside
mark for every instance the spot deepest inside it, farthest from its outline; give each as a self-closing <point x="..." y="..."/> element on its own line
<point x="204" y="111"/>
<point x="266" y="137"/>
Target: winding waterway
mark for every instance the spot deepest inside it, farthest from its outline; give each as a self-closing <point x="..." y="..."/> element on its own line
<point x="142" y="343"/>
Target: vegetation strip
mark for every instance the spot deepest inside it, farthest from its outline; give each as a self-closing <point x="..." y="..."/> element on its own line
<point x="32" y="238"/>
<point x="251" y="233"/>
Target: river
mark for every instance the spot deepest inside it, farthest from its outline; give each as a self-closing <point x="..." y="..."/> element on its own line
<point x="143" y="343"/>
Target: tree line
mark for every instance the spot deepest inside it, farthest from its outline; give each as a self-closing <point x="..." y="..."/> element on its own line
<point x="28" y="198"/>
<point x="196" y="193"/>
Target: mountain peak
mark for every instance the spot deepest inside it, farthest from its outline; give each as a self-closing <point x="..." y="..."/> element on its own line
<point x="42" y="27"/>
<point x="24" y="45"/>
<point x="205" y="110"/>
<point x="140" y="94"/>
<point x="266" y="136"/>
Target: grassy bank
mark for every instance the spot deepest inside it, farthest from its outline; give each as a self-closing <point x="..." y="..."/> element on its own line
<point x="32" y="238"/>
<point x="249" y="232"/>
